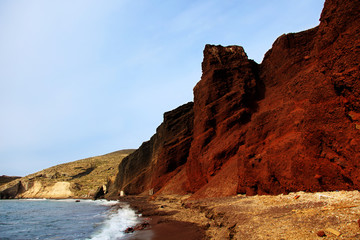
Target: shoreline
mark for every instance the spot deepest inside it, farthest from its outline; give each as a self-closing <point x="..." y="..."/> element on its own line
<point x="162" y="225"/>
<point x="64" y="219"/>
<point x="297" y="215"/>
<point x="75" y="199"/>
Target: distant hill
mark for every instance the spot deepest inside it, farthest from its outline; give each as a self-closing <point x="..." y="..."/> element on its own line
<point x="5" y="179"/>
<point x="79" y="179"/>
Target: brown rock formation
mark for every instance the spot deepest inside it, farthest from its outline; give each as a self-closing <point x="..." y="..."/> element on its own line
<point x="160" y="158"/>
<point x="5" y="179"/>
<point x="302" y="137"/>
<point x="79" y="179"/>
<point x="291" y="123"/>
<point x="224" y="101"/>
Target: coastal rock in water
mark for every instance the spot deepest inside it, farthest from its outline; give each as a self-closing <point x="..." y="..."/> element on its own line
<point x="129" y="230"/>
<point x="288" y="124"/>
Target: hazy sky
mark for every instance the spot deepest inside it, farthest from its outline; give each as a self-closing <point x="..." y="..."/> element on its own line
<point x="81" y="78"/>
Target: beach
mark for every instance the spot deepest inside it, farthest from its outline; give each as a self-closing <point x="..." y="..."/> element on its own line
<point x="299" y="215"/>
<point x="163" y="224"/>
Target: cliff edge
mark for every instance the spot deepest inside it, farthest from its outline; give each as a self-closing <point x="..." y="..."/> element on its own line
<point x="288" y="124"/>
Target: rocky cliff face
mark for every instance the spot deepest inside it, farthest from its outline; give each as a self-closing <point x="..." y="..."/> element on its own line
<point x="224" y="101"/>
<point x="288" y="124"/>
<point x="159" y="159"/>
<point x="303" y="136"/>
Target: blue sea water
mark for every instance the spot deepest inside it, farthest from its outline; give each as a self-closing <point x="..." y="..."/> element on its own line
<point x="64" y="219"/>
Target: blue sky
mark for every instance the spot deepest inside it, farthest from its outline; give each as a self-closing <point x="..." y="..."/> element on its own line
<point x="82" y="78"/>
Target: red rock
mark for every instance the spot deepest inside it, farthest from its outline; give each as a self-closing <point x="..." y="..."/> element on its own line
<point x="224" y="101"/>
<point x="141" y="226"/>
<point x="318" y="177"/>
<point x="264" y="128"/>
<point x="321" y="234"/>
<point x="129" y="230"/>
<point x="297" y="125"/>
<point x="159" y="159"/>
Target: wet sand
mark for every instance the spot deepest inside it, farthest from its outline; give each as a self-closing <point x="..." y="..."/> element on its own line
<point x="162" y="226"/>
<point x="169" y="230"/>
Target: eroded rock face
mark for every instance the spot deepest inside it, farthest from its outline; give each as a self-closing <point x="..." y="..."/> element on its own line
<point x="302" y="137"/>
<point x="36" y="189"/>
<point x="224" y="101"/>
<point x="159" y="159"/>
<point x="289" y="124"/>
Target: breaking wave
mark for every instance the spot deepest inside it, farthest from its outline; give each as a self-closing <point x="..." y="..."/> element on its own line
<point x="65" y="219"/>
<point x="116" y="223"/>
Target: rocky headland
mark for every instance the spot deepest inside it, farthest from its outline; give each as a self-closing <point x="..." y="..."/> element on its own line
<point x="288" y="124"/>
<point x="86" y="178"/>
<point x="287" y="127"/>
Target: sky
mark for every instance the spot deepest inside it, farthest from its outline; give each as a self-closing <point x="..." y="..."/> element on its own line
<point x="81" y="78"/>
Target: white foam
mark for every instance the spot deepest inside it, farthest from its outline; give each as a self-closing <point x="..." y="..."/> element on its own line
<point x="106" y="202"/>
<point x="99" y="202"/>
<point x="33" y="199"/>
<point x="115" y="225"/>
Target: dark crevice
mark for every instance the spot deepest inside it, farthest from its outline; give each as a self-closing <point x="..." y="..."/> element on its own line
<point x="86" y="172"/>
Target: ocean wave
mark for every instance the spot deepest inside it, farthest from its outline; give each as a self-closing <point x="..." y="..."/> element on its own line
<point x="33" y="199"/>
<point x="116" y="223"/>
<point x="106" y="202"/>
<point x="103" y="202"/>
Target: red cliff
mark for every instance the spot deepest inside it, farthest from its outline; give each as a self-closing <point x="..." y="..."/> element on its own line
<point x="159" y="159"/>
<point x="224" y="101"/>
<point x="288" y="124"/>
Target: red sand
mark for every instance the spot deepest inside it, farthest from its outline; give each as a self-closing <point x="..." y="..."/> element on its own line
<point x="161" y="227"/>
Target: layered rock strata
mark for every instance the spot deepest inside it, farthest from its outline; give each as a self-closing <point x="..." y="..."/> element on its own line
<point x="288" y="124"/>
<point x="156" y="161"/>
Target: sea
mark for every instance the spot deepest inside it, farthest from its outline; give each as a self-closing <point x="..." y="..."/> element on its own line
<point x="65" y="219"/>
